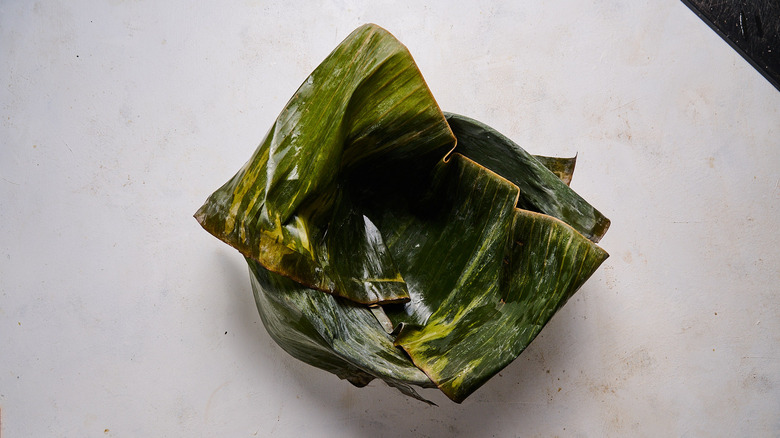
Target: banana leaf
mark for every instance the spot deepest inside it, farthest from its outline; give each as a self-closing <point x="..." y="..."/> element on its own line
<point x="331" y="333"/>
<point x="377" y="248"/>
<point x="278" y="207"/>
<point x="563" y="168"/>
<point x="541" y="189"/>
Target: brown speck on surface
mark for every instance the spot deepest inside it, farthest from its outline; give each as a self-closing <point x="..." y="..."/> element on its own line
<point x="105" y="431"/>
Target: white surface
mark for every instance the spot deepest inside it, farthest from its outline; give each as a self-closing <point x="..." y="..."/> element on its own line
<point x="119" y="316"/>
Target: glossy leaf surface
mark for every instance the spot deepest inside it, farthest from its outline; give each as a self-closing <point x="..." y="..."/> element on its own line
<point x="440" y="265"/>
<point x="484" y="277"/>
<point x="331" y="333"/>
<point x="365" y="113"/>
<point x="540" y="189"/>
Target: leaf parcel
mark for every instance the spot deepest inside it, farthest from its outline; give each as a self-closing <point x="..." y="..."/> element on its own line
<point x="377" y="248"/>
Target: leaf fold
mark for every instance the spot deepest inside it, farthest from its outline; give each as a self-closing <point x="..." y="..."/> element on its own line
<point x="441" y="262"/>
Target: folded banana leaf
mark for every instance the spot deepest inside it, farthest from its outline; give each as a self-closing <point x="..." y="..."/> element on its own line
<point x="563" y="168"/>
<point x="377" y="248"/>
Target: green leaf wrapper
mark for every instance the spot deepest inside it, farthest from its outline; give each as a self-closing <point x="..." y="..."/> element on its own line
<point x="376" y="250"/>
<point x="364" y="114"/>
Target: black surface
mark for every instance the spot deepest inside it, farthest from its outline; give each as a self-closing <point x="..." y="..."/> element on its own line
<point x="752" y="27"/>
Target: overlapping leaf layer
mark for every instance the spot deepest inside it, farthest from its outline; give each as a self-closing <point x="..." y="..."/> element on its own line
<point x="377" y="251"/>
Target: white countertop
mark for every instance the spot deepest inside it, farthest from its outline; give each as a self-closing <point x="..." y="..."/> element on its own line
<point x="120" y="316"/>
